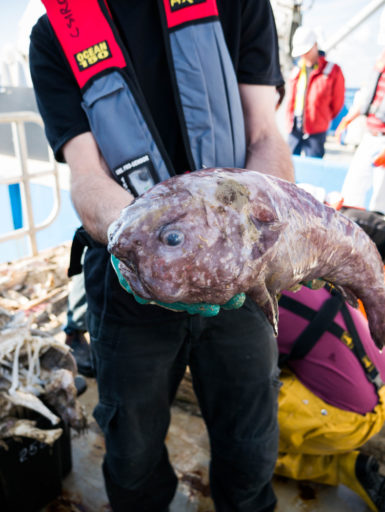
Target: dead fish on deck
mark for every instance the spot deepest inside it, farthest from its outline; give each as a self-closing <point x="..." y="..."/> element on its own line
<point x="32" y="402"/>
<point x="37" y="373"/>
<point x="213" y="233"/>
<point x="61" y="394"/>
<point x="16" y="427"/>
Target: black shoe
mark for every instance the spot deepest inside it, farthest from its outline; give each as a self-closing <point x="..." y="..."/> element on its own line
<point x="80" y="385"/>
<point x="371" y="480"/>
<point x="81" y="351"/>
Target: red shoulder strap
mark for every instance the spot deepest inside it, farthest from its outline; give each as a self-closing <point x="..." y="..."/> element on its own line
<point x="86" y="37"/>
<point x="179" y="12"/>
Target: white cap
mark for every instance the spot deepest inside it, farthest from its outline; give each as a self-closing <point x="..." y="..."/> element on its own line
<point x="303" y="40"/>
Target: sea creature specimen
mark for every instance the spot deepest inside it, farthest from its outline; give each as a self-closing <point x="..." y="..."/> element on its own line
<point x="208" y="235"/>
<point x="37" y="373"/>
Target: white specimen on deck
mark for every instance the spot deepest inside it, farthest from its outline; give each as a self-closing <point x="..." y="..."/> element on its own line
<point x="33" y="365"/>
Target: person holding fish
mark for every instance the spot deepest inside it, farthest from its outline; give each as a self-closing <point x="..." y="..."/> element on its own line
<point x="132" y="93"/>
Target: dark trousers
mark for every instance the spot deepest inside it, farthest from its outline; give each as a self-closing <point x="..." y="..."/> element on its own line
<point x="232" y="359"/>
<point x="311" y="145"/>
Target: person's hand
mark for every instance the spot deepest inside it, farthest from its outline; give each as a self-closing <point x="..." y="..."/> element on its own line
<point x="341" y="128"/>
<point x="379" y="161"/>
<point x="201" y="308"/>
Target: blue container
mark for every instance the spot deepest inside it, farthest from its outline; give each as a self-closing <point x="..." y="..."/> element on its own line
<point x="322" y="173"/>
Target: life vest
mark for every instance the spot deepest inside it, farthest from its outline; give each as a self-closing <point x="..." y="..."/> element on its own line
<point x="322" y="321"/>
<point x="323" y="97"/>
<point x="203" y="79"/>
<point x="367" y="106"/>
<point x="326" y="70"/>
<point x="300" y="96"/>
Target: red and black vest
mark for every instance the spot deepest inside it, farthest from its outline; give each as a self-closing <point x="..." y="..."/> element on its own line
<point x="203" y="78"/>
<point x="367" y="105"/>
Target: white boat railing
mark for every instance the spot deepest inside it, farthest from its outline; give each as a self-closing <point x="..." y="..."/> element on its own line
<point x="17" y="121"/>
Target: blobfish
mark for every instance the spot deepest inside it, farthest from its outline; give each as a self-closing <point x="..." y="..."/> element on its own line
<point x="207" y="235"/>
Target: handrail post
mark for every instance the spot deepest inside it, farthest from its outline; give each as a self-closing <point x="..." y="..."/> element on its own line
<point x="17" y="122"/>
<point x="20" y="145"/>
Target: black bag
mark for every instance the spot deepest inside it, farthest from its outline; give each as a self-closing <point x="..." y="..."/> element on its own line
<point x="373" y="223"/>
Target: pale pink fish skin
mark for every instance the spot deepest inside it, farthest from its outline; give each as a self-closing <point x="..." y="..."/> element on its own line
<point x="243" y="231"/>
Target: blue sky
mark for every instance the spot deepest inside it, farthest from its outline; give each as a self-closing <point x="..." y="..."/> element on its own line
<point x="10" y="14"/>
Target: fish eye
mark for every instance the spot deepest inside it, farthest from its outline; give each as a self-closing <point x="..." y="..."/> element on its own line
<point x="172" y="237"/>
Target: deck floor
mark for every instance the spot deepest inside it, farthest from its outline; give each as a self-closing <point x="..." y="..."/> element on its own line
<point x="83" y="489"/>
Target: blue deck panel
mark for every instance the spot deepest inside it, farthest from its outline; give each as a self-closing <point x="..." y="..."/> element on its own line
<point x="323" y="173"/>
<point x="61" y="230"/>
<point x="319" y="172"/>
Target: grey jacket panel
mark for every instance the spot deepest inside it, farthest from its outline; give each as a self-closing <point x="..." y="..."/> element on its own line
<point x="121" y="138"/>
<point x="211" y="111"/>
<point x="209" y="95"/>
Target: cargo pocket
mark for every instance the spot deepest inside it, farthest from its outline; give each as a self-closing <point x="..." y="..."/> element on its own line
<point x="104" y="414"/>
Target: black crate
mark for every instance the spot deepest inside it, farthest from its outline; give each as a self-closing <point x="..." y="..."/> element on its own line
<point x="31" y="472"/>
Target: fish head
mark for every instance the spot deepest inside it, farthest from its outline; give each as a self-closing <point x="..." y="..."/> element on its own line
<point x="186" y="240"/>
<point x="61" y="394"/>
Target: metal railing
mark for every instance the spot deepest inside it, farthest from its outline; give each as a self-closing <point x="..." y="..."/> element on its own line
<point x="352" y="24"/>
<point x="17" y="121"/>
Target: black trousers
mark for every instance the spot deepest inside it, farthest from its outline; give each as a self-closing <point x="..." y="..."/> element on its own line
<point x="233" y="362"/>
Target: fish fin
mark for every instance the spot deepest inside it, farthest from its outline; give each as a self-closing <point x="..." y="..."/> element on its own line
<point x="347" y="294"/>
<point x="269" y="305"/>
<point x="268" y="237"/>
<point x="268" y="226"/>
<point x="261" y="213"/>
<point x="270" y="309"/>
<point x="210" y="216"/>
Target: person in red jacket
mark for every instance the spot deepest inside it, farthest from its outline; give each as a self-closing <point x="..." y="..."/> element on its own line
<point x="316" y="92"/>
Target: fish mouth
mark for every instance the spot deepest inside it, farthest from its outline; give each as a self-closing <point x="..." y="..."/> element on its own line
<point x="144" y="290"/>
<point x="131" y="274"/>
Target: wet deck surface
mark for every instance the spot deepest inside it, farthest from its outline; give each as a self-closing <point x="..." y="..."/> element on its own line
<point x="83" y="489"/>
